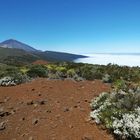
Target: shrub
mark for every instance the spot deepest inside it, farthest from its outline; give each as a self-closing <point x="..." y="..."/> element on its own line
<point x="71" y="73"/>
<point x="10" y="76"/>
<point x="37" y="71"/>
<point x="61" y="71"/>
<point x="53" y="76"/>
<point x="9" y="71"/>
<point x="89" y="72"/>
<point x="106" y="78"/>
<point x="119" y="84"/>
<point x="24" y="69"/>
<point x="119" y="112"/>
<point x="52" y="68"/>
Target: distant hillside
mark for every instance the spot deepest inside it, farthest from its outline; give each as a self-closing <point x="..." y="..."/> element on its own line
<point x="57" y="56"/>
<point x="16" y="56"/>
<point x="11" y="43"/>
<point x="17" y="53"/>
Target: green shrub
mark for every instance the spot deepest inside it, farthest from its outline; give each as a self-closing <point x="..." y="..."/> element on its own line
<point x="9" y="71"/>
<point x="37" y="71"/>
<point x="119" y="84"/>
<point x="89" y="72"/>
<point x="52" y="68"/>
<point x="71" y="73"/>
<point x="61" y="71"/>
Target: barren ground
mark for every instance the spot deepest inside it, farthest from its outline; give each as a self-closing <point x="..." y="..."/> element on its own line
<point x="50" y="110"/>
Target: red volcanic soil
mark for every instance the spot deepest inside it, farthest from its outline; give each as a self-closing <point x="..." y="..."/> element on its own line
<point x="50" y="110"/>
<point x="40" y="62"/>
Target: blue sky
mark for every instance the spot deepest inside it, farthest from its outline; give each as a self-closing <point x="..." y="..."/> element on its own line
<point x="77" y="26"/>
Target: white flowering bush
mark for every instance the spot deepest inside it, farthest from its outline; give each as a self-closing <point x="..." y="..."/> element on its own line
<point x="119" y="111"/>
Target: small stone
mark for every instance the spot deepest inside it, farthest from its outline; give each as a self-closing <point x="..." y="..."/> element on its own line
<point x="66" y="109"/>
<point x="82" y="109"/>
<point x="75" y="106"/>
<point x="31" y="138"/>
<point x="22" y="135"/>
<point x="13" y="112"/>
<point x="23" y="119"/>
<point x="35" y="105"/>
<point x="86" y="100"/>
<point x="39" y="94"/>
<point x="70" y="126"/>
<point x="48" y="111"/>
<point x="35" y="121"/>
<point x="30" y="102"/>
<point x="58" y="116"/>
<point x="33" y="89"/>
<point x="88" y="119"/>
<point x="42" y="102"/>
<point x="89" y="102"/>
<point x="7" y="99"/>
<point x="87" y="137"/>
<point x="57" y="102"/>
<point x="78" y="102"/>
<point x="2" y="126"/>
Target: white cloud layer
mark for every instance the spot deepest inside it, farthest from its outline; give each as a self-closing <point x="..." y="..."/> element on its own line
<point x="126" y="59"/>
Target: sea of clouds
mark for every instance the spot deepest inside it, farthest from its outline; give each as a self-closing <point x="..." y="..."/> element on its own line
<point x="104" y="59"/>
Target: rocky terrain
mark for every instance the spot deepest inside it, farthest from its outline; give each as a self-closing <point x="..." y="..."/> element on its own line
<point x="50" y="110"/>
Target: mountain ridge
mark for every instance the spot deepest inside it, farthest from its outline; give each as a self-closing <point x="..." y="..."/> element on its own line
<point x="15" y="52"/>
<point x="12" y="43"/>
